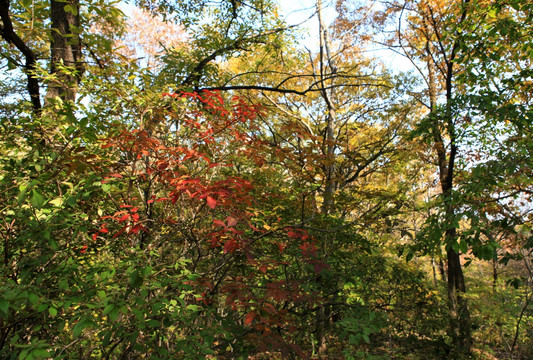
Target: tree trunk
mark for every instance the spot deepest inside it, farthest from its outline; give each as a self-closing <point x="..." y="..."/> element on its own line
<point x="327" y="69"/>
<point x="460" y="324"/>
<point x="441" y="270"/>
<point x="7" y="32"/>
<point x="460" y="327"/>
<point x="494" y="274"/>
<point x="65" y="49"/>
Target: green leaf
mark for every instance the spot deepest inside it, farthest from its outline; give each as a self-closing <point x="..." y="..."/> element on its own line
<point x="23" y="188"/>
<point x="82" y="324"/>
<point x="207" y="351"/>
<point x="34" y="299"/>
<point x="71" y="9"/>
<point x="193" y="307"/>
<point x="455" y="246"/>
<point x="138" y="314"/>
<point x="135" y="280"/>
<point x="24" y="354"/>
<point x="108" y="308"/>
<point x="4" y="307"/>
<point x="37" y="200"/>
<point x="463" y="246"/>
<point x="53" y="244"/>
<point x="57" y="201"/>
<point x="52" y="311"/>
<point x="154" y="323"/>
<point x="40" y="353"/>
<point x="71" y="201"/>
<point x="113" y="314"/>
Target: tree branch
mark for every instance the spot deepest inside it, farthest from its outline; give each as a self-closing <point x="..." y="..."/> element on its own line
<point x="8" y="34"/>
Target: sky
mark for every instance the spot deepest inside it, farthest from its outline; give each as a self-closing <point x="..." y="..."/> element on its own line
<point x="302" y="11"/>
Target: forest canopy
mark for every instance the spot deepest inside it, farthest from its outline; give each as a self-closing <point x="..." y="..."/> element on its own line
<point x="197" y="179"/>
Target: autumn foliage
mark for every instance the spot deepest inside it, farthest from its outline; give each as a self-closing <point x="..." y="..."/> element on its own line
<point x="188" y="180"/>
<point x="179" y="198"/>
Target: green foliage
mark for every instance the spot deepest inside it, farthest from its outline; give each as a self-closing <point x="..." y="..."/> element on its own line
<point x="149" y="220"/>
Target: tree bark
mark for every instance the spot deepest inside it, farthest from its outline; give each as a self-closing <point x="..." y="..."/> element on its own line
<point x="327" y="69"/>
<point x="65" y="49"/>
<point x="444" y="126"/>
<point x="8" y="34"/>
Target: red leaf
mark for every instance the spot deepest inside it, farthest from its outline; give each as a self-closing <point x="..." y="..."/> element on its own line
<point x="83" y="249"/>
<point x="269" y="308"/>
<point x="219" y="223"/>
<point x="249" y="318"/>
<point x="120" y="232"/>
<point x="230" y="246"/>
<point x="231" y="221"/>
<point x="211" y="202"/>
<point x="124" y="218"/>
<point x="136" y="229"/>
<point x="230" y="299"/>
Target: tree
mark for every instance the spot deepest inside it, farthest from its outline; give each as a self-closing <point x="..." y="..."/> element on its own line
<point x="338" y="143"/>
<point x="120" y="237"/>
<point x="227" y="193"/>
<point x="432" y="36"/>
